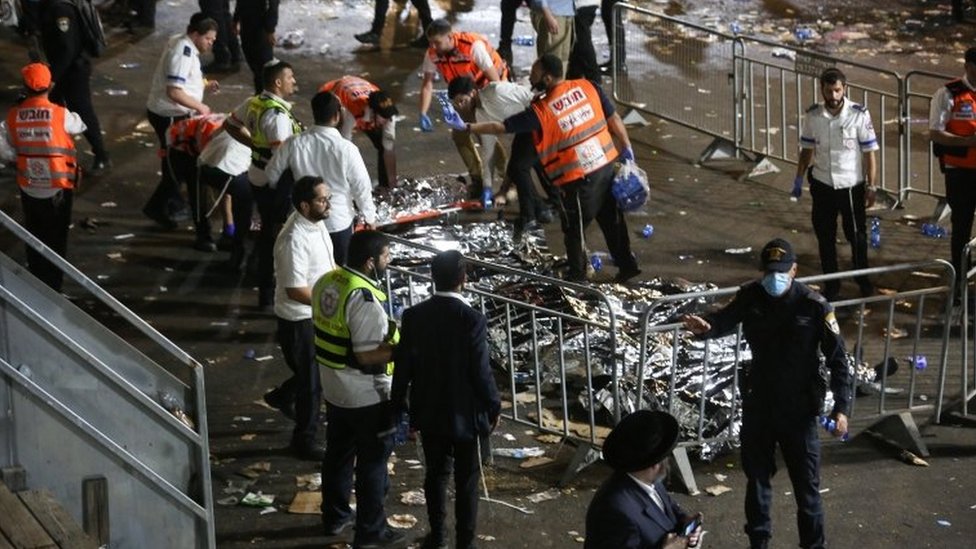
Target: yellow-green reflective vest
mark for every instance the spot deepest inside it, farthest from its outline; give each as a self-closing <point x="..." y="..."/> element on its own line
<point x="333" y="342"/>
<point x="256" y="107"/>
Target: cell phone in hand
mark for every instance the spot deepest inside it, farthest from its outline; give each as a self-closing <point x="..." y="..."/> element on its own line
<point x="692" y="525"/>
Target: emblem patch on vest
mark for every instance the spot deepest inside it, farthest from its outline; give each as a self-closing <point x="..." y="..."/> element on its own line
<point x="329" y="301"/>
<point x="64" y="24"/>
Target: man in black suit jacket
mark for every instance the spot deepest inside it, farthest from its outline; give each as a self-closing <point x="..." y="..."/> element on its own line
<point x="442" y="359"/>
<point x="633" y="509"/>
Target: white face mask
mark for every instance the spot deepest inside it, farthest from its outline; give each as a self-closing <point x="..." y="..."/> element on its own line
<point x="776" y="284"/>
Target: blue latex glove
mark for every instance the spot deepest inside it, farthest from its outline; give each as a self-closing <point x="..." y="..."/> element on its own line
<point x="797" y="191"/>
<point x="629" y="155"/>
<point x="453" y="119"/>
<point x="425" y="123"/>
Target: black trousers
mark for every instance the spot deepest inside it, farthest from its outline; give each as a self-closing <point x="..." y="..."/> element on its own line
<point x="961" y="197"/>
<point x="444" y="454"/>
<point x="74" y="92"/>
<point x="583" y="201"/>
<point x="800" y="446"/>
<point x="227" y="48"/>
<point x="340" y="245"/>
<point x="379" y="15"/>
<point x="264" y="199"/>
<point x="242" y="203"/>
<point x="47" y="219"/>
<point x="849" y="204"/>
<point x="509" y="9"/>
<point x="376" y="138"/>
<point x="352" y="442"/>
<point x="145" y="12"/>
<point x="582" y="58"/>
<point x="617" y="51"/>
<point x="166" y="199"/>
<point x="257" y="51"/>
<point x="523" y="161"/>
<point x="304" y="387"/>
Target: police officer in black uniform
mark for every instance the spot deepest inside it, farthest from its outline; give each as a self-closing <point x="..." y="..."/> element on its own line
<point x="227" y="49"/>
<point x="67" y="51"/>
<point x="256" y="21"/>
<point x="785" y="323"/>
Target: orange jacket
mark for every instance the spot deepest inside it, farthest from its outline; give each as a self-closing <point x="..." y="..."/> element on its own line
<point x="191" y="135"/>
<point x="575" y="139"/>
<point x="961" y="122"/>
<point x="46" y="155"/>
<point x="460" y="62"/>
<point x="353" y="92"/>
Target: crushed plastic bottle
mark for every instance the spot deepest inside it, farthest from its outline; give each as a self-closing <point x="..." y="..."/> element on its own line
<point x="830" y="425"/>
<point x="487" y="198"/>
<point x="735" y="27"/>
<point x="919" y="362"/>
<point x="875" y="233"/>
<point x="524" y="40"/>
<point x="168" y="401"/>
<point x="647" y="231"/>
<point x="933" y="230"/>
<point x="803" y="33"/>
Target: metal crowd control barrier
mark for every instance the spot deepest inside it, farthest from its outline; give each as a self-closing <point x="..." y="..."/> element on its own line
<point x="967" y="335"/>
<point x="886" y="408"/>
<point x="921" y="171"/>
<point x="514" y="323"/>
<point x="78" y="400"/>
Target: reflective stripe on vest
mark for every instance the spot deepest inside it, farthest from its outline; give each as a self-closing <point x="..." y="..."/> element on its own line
<point x="45" y="151"/>
<point x="256" y="107"/>
<point x="330" y="296"/>
<point x="353" y="93"/>
<point x="574" y="139"/>
<point x="192" y="134"/>
<point x="460" y="62"/>
<point x="962" y="121"/>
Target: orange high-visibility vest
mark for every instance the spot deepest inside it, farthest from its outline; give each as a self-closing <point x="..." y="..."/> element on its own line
<point x="962" y="121"/>
<point x="46" y="155"/>
<point x="575" y="140"/>
<point x="460" y="62"/>
<point x="353" y="92"/>
<point x="192" y="134"/>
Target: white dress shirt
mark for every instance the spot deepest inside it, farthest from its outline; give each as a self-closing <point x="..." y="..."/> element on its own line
<point x="178" y="67"/>
<point x="321" y="151"/>
<point x="226" y="154"/>
<point x="302" y="254"/>
<point x="838" y="142"/>
<point x="651" y="491"/>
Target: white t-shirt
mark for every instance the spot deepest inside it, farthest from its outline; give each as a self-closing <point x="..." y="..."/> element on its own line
<point x="276" y="125"/>
<point x="226" y="154"/>
<point x="349" y="124"/>
<point x="838" y="142"/>
<point x="940" y="109"/>
<point x="368" y="326"/>
<point x="302" y="254"/>
<point x="178" y="67"/>
<point x="321" y="151"/>
<point x="499" y="100"/>
<point x="479" y="54"/>
<point x="72" y="124"/>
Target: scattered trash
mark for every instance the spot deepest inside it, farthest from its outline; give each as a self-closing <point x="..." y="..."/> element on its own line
<point x="549" y="439"/>
<point x="896" y="333"/>
<point x="546" y="495"/>
<point x="169" y="402"/>
<point x="130" y="65"/>
<point x="306" y="503"/>
<point x="268" y="511"/>
<point x="116" y="93"/>
<point x="293" y="39"/>
<point x="912" y="459"/>
<point x="535" y="462"/>
<point x="519" y="453"/>
<point x="413" y="497"/>
<point x="241" y="418"/>
<point x="647" y="231"/>
<point x="783" y="53"/>
<point x="875" y="233"/>
<point x="824" y="490"/>
<point x="248" y="437"/>
<point x="486" y="537"/>
<point x="932" y="230"/>
<point x="919" y="361"/>
<point x="509" y="437"/>
<point x="219" y="323"/>
<point x="257" y="500"/>
<point x="720" y="477"/>
<point x="264" y="358"/>
<point x="125" y="236"/>
<point x="249" y="354"/>
<point x="255" y="470"/>
<point x="717" y="490"/>
<point x="944" y="523"/>
<point x="403" y="522"/>
<point x="310" y="482"/>
<point x="228" y="501"/>
<point x="109" y="205"/>
<point x="524" y="40"/>
<point x="738" y="251"/>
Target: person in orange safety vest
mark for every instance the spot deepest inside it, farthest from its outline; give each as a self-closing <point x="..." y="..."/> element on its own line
<point x="370" y="110"/>
<point x="577" y="133"/>
<point x="38" y="135"/>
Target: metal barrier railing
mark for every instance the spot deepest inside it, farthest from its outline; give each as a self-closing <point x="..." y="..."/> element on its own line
<point x="903" y="307"/>
<point x="80" y="388"/>
<point x="921" y="168"/>
<point x="967" y="332"/>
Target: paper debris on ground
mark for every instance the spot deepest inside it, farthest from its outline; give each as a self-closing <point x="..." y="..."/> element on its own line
<point x="546" y="495"/>
<point x="257" y="500"/>
<point x="720" y="477"/>
<point x="535" y="462"/>
<point x="311" y="481"/>
<point x="268" y="511"/>
<point x="306" y="503"/>
<point x="255" y="470"/>
<point x="248" y="437"/>
<point x="486" y="537"/>
<point x="403" y="522"/>
<point x="519" y="453"/>
<point x="526" y="398"/>
<point x="549" y="439"/>
<point x="717" y="490"/>
<point x="509" y="437"/>
<point x="413" y="497"/>
<point x="228" y="501"/>
<point x="912" y="459"/>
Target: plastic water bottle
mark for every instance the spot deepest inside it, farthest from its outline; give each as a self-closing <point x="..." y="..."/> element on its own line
<point x="803" y="33"/>
<point x="402" y="432"/>
<point x="830" y="425"/>
<point x="735" y="27"/>
<point x="933" y="230"/>
<point x="524" y="40"/>
<point x="596" y="262"/>
<point x="875" y="233"/>
<point x="647" y="231"/>
<point x="487" y="198"/>
<point x="920" y="362"/>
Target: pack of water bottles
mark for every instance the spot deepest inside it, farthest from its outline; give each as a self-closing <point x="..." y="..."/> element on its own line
<point x="630" y="188"/>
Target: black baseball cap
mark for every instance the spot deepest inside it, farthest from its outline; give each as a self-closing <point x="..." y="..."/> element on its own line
<point x="777" y="256"/>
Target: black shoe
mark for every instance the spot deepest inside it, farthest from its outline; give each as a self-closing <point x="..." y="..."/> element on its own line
<point x="420" y="42"/>
<point x="99" y="167"/>
<point x="308" y="451"/>
<point x="545" y="216"/>
<point x="431" y="542"/>
<point x="625" y="274"/>
<point x="333" y="530"/>
<point x="368" y="38"/>
<point x="275" y="400"/>
<point x="205" y="245"/>
<point x="160" y="218"/>
<point x="388" y="538"/>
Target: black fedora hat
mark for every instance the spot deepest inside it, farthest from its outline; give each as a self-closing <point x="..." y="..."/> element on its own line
<point x="642" y="439"/>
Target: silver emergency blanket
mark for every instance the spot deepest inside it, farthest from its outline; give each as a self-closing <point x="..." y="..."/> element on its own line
<point x="539" y="329"/>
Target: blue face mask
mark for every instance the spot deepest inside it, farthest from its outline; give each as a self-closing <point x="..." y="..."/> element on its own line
<point x="776" y="284"/>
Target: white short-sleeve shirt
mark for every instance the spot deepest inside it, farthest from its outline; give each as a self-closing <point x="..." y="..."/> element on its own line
<point x="838" y="143"/>
<point x="940" y="109"/>
<point x="226" y="154"/>
<point x="499" y="100"/>
<point x="302" y="254"/>
<point x="179" y="67"/>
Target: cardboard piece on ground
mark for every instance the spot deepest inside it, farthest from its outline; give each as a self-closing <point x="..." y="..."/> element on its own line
<point x="535" y="462"/>
<point x="306" y="503"/>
